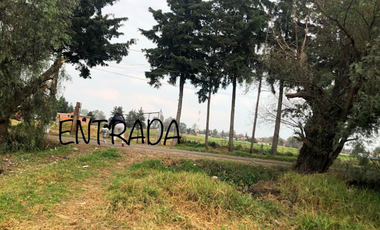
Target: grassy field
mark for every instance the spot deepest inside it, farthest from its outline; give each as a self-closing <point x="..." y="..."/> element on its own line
<point x="86" y="188"/>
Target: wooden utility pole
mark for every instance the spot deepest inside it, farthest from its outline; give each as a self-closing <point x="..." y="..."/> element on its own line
<point x="75" y="118"/>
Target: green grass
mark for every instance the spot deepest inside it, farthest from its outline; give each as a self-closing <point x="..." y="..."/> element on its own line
<point x="244" y="144"/>
<point x="238" y="151"/>
<point x="181" y="193"/>
<point x="161" y="191"/>
<point x="45" y="186"/>
<point x="325" y="202"/>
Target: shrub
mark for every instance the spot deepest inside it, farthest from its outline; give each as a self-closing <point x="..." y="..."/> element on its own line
<point x="364" y="176"/>
<point x="213" y="144"/>
<point x="24" y="137"/>
<point x="238" y="147"/>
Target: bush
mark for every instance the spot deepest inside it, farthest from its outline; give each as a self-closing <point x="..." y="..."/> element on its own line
<point x="26" y="138"/>
<point x="213" y="144"/>
<point x="238" y="147"/>
<point x="364" y="176"/>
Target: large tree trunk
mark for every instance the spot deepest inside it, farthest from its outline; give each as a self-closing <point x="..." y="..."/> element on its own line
<point x="208" y="118"/>
<point x="231" y="134"/>
<point x="179" y="109"/>
<point x="318" y="151"/>
<point x="255" y="118"/>
<point x="278" y="119"/>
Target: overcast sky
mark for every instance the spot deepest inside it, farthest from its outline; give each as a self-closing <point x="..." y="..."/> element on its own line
<point x="125" y="84"/>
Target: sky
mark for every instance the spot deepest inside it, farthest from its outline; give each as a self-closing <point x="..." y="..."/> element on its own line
<point x="125" y="85"/>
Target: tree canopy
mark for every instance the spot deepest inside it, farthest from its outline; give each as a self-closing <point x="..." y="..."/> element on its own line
<point x="331" y="62"/>
<point x="36" y="38"/>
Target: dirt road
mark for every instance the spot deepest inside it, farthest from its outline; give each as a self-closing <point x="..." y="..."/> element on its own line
<point x="157" y="150"/>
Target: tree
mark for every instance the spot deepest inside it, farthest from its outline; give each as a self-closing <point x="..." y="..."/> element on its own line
<point x="293" y="143"/>
<point x="178" y="52"/>
<point x="276" y="134"/>
<point x="84" y="112"/>
<point x="130" y="118"/>
<point x="166" y="124"/>
<point x="62" y="106"/>
<point x="117" y="109"/>
<point x="91" y="115"/>
<point x="211" y="75"/>
<point x="36" y="38"/>
<point x="256" y="114"/>
<point x="333" y="68"/>
<point x="98" y="114"/>
<point x="182" y="128"/>
<point x="141" y="117"/>
<point x="214" y="132"/>
<point x="240" y="25"/>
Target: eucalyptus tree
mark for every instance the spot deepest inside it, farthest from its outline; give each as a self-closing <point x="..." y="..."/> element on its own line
<point x="36" y="38"/>
<point x="332" y="62"/>
<point x="178" y="54"/>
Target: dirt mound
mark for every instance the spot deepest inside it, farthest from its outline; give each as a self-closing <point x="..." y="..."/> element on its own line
<point x="264" y="188"/>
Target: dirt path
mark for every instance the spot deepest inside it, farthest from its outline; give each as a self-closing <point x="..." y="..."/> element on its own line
<point x="161" y="150"/>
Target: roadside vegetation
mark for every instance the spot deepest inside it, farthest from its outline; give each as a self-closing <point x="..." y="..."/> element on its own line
<point x="51" y="187"/>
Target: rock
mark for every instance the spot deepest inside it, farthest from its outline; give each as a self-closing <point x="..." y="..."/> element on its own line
<point x="75" y="149"/>
<point x="214" y="177"/>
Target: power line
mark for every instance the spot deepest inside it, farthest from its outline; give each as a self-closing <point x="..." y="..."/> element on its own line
<point x="163" y="83"/>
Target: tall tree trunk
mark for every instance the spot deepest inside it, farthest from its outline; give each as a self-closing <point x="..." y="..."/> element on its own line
<point x="208" y="118"/>
<point x="278" y="119"/>
<point x="255" y="118"/>
<point x="231" y="134"/>
<point x="179" y="109"/>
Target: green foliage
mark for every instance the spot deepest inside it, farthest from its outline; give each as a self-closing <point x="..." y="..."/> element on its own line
<point x="133" y="116"/>
<point x="178" y="44"/>
<point x="117" y="109"/>
<point x="91" y="32"/>
<point x="25" y="137"/>
<point x="333" y="67"/>
<point x="36" y="38"/>
<point x="213" y="144"/>
<point x="62" y="106"/>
